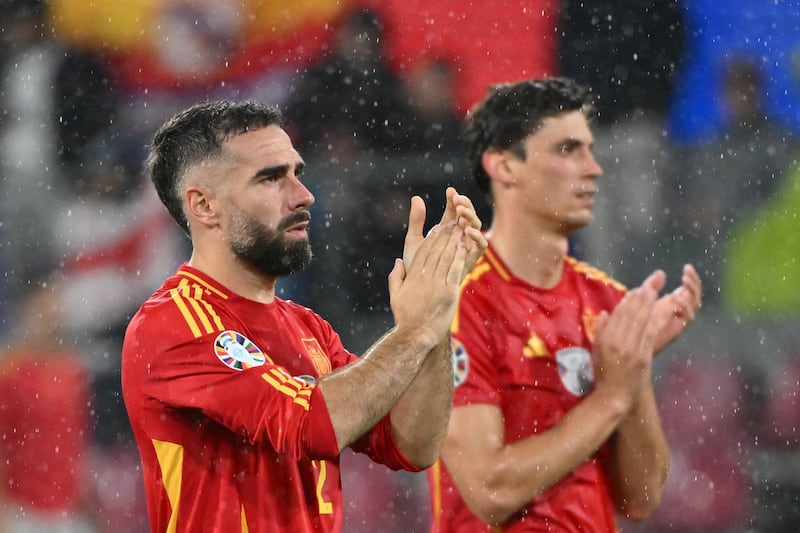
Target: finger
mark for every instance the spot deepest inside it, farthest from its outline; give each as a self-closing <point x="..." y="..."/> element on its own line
<point x="632" y="315"/>
<point x="655" y="281"/>
<point x="458" y="265"/>
<point x="445" y="261"/>
<point x="476" y="244"/>
<point x="477" y="239"/>
<point x="416" y="216"/>
<point x="467" y="217"/>
<point x="450" y="214"/>
<point x="397" y="275"/>
<point x="416" y="225"/>
<point x="683" y="303"/>
<point x="429" y="252"/>
<point x="691" y="280"/>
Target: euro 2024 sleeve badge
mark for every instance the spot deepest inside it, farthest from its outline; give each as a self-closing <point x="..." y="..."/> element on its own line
<point x="237" y="351"/>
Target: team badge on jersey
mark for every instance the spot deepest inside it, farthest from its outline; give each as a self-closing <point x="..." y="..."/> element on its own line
<point x="460" y="362"/>
<point x="237" y="351"/>
<point x="575" y="370"/>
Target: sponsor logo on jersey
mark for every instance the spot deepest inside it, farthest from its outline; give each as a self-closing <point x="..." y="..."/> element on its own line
<point x="460" y="362"/>
<point x="237" y="351"/>
<point x="535" y="347"/>
<point x="575" y="370"/>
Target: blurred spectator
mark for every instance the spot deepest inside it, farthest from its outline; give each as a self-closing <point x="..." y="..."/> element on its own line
<point x="115" y="243"/>
<point x="357" y="116"/>
<point x="28" y="161"/>
<point x="720" y="183"/>
<point x="434" y="123"/>
<point x="85" y="102"/>
<point x="629" y="54"/>
<point x="44" y="421"/>
<point x="350" y="101"/>
<point x="761" y="265"/>
<point x="705" y="417"/>
<point x="54" y="100"/>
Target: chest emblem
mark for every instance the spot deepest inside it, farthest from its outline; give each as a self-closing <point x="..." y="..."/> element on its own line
<point x="575" y="370"/>
<point x="317" y="355"/>
<point x="237" y="351"/>
<point x="589" y="320"/>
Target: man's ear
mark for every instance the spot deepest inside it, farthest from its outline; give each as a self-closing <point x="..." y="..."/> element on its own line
<point x="496" y="164"/>
<point x="202" y="205"/>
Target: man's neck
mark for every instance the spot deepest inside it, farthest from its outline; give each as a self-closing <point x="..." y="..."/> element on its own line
<point x="237" y="276"/>
<point x="532" y="254"/>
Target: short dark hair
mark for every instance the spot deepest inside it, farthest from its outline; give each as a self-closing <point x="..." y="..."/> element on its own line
<point x="511" y="111"/>
<point x="195" y="135"/>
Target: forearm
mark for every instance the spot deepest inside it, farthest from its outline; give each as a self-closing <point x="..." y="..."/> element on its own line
<point x="640" y="461"/>
<point x="498" y="479"/>
<point x="419" y="420"/>
<point x="360" y="394"/>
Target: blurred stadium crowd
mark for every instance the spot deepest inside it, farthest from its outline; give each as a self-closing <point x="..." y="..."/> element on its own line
<point x="697" y="131"/>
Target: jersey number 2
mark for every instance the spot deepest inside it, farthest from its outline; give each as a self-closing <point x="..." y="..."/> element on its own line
<point x="325" y="507"/>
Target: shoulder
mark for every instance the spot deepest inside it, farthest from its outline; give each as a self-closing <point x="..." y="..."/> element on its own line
<point x="488" y="271"/>
<point x="305" y="315"/>
<point x="591" y="274"/>
<point x="184" y="307"/>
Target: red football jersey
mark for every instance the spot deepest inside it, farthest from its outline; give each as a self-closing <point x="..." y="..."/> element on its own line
<point x="233" y="433"/>
<point x="45" y="423"/>
<point x="528" y="351"/>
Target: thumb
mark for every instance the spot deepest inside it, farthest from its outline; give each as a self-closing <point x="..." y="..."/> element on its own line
<point x="416" y="216"/>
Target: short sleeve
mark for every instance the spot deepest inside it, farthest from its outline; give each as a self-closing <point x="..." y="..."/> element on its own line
<point x="473" y="350"/>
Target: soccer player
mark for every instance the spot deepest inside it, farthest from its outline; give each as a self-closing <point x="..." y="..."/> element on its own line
<point x="554" y="425"/>
<point x="240" y="401"/>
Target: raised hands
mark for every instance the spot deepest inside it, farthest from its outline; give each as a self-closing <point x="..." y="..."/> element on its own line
<point x="423" y="285"/>
<point x="458" y="210"/>
<point x="676" y="310"/>
<point x="624" y="341"/>
<point x="642" y="325"/>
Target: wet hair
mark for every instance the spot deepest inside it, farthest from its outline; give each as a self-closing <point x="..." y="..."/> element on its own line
<point x="510" y="112"/>
<point x="195" y="135"/>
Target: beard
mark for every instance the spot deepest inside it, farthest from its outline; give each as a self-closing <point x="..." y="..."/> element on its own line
<point x="268" y="249"/>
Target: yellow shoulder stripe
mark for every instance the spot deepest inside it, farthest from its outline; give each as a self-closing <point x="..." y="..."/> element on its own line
<point x="198" y="314"/>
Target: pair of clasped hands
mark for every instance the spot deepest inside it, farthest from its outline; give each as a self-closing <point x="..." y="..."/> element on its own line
<point x="424" y="284"/>
<point x="423" y="287"/>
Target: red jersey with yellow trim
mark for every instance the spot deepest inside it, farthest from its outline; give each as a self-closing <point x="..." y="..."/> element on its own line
<point x="528" y="351"/>
<point x="233" y="433"/>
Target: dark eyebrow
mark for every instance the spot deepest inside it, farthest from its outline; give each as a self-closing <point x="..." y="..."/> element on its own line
<point x="571" y="142"/>
<point x="279" y="170"/>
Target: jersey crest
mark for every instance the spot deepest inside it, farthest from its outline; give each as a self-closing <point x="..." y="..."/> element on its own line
<point x="589" y="320"/>
<point x="460" y="361"/>
<point x="317" y="355"/>
<point x="575" y="370"/>
<point x="237" y="351"/>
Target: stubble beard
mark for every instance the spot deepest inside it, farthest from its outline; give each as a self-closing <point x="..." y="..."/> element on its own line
<point x="269" y="250"/>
